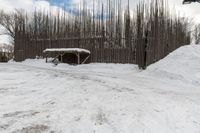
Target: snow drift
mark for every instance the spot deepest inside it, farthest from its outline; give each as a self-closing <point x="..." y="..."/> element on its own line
<point x="182" y="64"/>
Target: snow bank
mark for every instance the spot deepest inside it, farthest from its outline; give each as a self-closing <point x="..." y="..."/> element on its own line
<point x="182" y="64"/>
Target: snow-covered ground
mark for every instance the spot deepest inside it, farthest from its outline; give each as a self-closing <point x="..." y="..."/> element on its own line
<point x="36" y="97"/>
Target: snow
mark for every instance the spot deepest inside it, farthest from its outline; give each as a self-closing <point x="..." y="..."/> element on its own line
<point x="102" y="98"/>
<point x="67" y="50"/>
<point x="183" y="64"/>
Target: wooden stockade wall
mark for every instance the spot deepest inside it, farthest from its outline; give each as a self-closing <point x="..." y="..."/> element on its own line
<point x="30" y="48"/>
<point x="97" y="47"/>
<point x="112" y="37"/>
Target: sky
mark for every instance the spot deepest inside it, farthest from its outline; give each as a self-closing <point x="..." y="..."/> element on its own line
<point x="189" y="10"/>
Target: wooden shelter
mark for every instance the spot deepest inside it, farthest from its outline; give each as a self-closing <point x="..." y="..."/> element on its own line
<point x="68" y="55"/>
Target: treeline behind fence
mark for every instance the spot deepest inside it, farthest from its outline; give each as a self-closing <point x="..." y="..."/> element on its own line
<point x="112" y="34"/>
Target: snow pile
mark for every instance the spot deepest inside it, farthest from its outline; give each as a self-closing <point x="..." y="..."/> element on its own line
<point x="182" y="64"/>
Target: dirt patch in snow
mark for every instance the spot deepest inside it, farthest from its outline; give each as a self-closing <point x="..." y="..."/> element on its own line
<point x="33" y="129"/>
<point x="21" y="114"/>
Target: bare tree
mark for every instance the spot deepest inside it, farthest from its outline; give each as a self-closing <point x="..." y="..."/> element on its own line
<point x="10" y="21"/>
<point x="7" y="20"/>
<point x="6" y="48"/>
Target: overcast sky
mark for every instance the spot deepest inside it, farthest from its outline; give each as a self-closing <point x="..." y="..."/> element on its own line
<point x="189" y="10"/>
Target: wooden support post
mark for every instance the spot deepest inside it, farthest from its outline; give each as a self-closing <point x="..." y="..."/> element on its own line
<point x="78" y="55"/>
<point x="46" y="58"/>
<point x="85" y="59"/>
<point x="78" y="58"/>
<point x="55" y="58"/>
<point x="61" y="58"/>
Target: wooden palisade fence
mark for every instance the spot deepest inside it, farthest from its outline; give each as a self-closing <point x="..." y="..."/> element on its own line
<point x="142" y="38"/>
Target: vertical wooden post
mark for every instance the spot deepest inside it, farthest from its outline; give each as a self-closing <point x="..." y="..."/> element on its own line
<point x="61" y="58"/>
<point x="46" y="57"/>
<point x="78" y="55"/>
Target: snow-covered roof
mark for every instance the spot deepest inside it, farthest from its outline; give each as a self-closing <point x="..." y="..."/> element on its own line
<point x="67" y="50"/>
